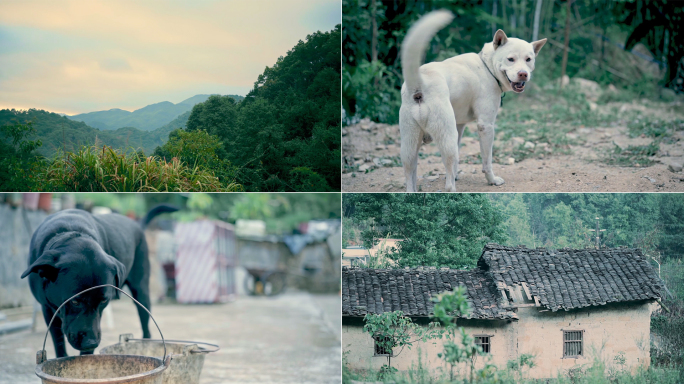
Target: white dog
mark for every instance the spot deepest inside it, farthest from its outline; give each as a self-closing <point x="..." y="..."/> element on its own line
<point x="438" y="99"/>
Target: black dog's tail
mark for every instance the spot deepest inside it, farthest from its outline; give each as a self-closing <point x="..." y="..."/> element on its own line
<point x="156" y="211"/>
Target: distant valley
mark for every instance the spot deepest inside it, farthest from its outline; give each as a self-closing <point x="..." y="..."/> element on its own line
<point x="147" y="118"/>
<point x="60" y="132"/>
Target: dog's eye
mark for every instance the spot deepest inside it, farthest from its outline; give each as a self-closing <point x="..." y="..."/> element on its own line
<point x="75" y="303"/>
<point x="511" y="59"/>
<point x="528" y="60"/>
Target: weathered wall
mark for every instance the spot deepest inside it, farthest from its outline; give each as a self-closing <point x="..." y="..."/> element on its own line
<point x="609" y="331"/>
<point x="14" y="249"/>
<point x="360" y="346"/>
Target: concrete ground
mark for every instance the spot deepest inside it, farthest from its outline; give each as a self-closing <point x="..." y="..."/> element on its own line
<point x="291" y="338"/>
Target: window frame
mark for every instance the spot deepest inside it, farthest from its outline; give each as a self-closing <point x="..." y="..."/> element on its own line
<point x="488" y="343"/>
<point x="377" y="348"/>
<point x="566" y="342"/>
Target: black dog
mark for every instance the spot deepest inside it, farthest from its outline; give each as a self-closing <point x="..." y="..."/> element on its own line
<point x="73" y="250"/>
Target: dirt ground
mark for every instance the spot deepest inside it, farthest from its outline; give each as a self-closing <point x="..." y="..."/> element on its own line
<point x="291" y="338"/>
<point x="372" y="163"/>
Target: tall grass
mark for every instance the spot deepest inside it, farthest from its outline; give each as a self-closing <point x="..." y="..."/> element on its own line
<point x="92" y="169"/>
<point x="597" y="373"/>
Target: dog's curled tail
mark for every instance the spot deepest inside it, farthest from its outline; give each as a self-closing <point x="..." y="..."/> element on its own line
<point x="416" y="43"/>
<point x="156" y="211"/>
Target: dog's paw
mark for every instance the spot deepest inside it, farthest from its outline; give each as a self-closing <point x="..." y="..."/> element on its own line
<point x="496" y="180"/>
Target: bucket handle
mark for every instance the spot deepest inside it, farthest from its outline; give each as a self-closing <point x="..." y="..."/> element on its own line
<point x="213" y="349"/>
<point x="42" y="354"/>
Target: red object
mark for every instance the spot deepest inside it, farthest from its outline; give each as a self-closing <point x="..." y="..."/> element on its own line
<point x="45" y="202"/>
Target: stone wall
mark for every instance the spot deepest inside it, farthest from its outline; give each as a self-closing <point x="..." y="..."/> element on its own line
<point x="611" y="333"/>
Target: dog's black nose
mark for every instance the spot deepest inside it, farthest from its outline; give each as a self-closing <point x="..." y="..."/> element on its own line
<point x="522" y="75"/>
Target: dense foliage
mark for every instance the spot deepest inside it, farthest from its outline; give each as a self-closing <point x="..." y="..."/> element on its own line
<point x="19" y="165"/>
<point x="435" y="223"/>
<point x="444" y="230"/>
<point x="285" y="136"/>
<point x="599" y="31"/>
<point x="652" y="222"/>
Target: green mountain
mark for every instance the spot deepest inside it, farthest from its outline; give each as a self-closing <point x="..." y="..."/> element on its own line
<point x="146" y="119"/>
<point x="60" y="133"/>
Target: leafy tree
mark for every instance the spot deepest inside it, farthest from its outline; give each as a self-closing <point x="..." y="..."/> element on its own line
<point x="445" y="230"/>
<point x="449" y="306"/>
<point x="391" y="330"/>
<point x="20" y="166"/>
<point x="198" y="148"/>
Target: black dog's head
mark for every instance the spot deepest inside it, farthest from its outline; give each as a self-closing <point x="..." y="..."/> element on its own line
<point x="68" y="267"/>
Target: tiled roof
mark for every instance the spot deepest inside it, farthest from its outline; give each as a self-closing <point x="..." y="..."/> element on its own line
<point x="569" y="278"/>
<point x="556" y="279"/>
<point x="409" y="290"/>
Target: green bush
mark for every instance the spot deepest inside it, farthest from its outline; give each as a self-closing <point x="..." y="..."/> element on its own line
<point x="93" y="169"/>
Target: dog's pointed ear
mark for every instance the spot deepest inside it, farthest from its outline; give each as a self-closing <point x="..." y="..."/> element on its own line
<point x="500" y="38"/>
<point x="45" y="266"/>
<point x="119" y="275"/>
<point x="537" y="45"/>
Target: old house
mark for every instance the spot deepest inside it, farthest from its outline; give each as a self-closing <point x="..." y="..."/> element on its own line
<point x="565" y="307"/>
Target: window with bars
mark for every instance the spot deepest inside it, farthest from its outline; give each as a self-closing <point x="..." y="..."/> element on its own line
<point x="572" y="343"/>
<point x="381" y="348"/>
<point x="484" y="342"/>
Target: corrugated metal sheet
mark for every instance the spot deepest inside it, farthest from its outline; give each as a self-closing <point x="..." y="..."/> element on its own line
<point x="205" y="262"/>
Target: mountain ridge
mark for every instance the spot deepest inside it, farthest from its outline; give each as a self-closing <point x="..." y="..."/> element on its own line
<point x="147" y="118"/>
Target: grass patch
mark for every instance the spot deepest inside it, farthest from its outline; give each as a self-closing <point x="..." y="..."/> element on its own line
<point x="656" y="128"/>
<point x="632" y="156"/>
<point x="92" y="169"/>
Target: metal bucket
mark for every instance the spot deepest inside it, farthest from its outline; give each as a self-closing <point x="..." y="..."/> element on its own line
<point x="187" y="357"/>
<point x="102" y="369"/>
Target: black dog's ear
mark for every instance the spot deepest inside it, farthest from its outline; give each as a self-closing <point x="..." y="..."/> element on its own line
<point x="500" y="39"/>
<point x="45" y="266"/>
<point x="119" y="275"/>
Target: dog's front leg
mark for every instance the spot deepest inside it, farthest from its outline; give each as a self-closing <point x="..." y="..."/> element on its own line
<point x="486" y="133"/>
<point x="55" y="331"/>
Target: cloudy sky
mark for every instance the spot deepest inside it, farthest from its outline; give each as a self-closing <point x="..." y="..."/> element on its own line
<point x="83" y="56"/>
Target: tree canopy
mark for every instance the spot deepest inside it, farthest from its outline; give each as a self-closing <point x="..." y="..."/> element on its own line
<point x="443" y="230"/>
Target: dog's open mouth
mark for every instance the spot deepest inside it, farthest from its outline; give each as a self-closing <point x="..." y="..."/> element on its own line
<point x="518" y="87"/>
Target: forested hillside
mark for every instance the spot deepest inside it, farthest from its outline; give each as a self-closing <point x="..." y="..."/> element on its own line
<point x="146" y="118"/>
<point x="59" y="133"/>
<point x="285" y="135"/>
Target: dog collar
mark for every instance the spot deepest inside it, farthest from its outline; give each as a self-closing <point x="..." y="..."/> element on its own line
<point x="503" y="94"/>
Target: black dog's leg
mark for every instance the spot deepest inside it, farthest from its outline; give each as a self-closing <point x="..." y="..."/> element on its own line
<point x="142" y="295"/>
<point x="55" y="331"/>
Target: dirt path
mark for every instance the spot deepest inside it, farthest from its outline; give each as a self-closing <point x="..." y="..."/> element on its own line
<point x="372" y="164"/>
<point x="292" y="338"/>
